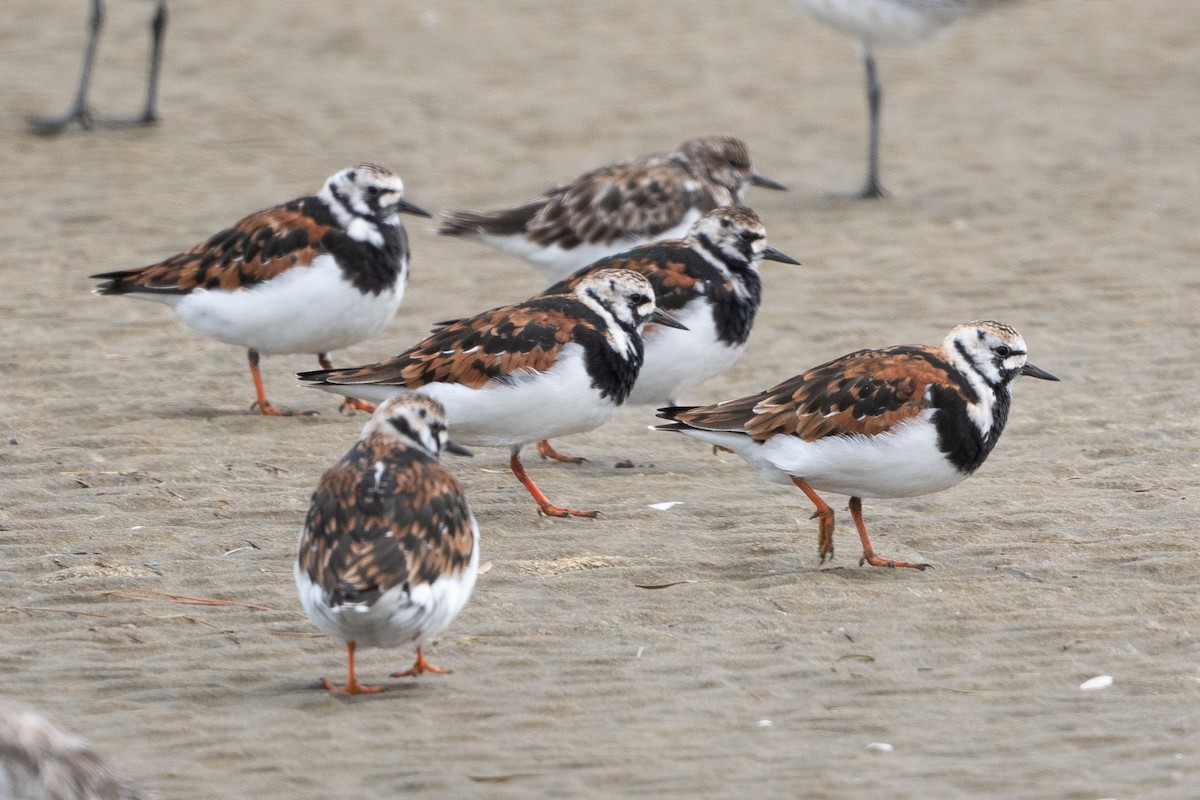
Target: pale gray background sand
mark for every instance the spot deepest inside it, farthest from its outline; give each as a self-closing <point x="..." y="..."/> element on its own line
<point x="1043" y="162"/>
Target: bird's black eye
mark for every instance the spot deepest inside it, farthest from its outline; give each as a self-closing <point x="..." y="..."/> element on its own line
<point x="372" y="191"/>
<point x="639" y="298"/>
<point x="749" y="237"/>
<point x="1004" y="351"/>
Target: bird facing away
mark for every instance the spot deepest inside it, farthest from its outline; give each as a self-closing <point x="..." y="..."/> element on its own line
<point x="898" y="422"/>
<point x="310" y="276"/>
<point x="79" y="111"/>
<point x="549" y="366"/>
<point x="389" y="552"/>
<point x="41" y="761"/>
<point x="709" y="281"/>
<point x="615" y="207"/>
<point x="887" y="22"/>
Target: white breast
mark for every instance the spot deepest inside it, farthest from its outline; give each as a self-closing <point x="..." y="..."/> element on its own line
<point x="538" y="405"/>
<point x="677" y="360"/>
<point x="904" y="462"/>
<point x="311" y="309"/>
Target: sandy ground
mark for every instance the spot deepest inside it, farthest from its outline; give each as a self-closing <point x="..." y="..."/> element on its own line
<point x="1043" y="164"/>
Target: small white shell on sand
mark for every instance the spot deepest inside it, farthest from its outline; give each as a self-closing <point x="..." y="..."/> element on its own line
<point x="879" y="747"/>
<point x="665" y="506"/>
<point x="1098" y="682"/>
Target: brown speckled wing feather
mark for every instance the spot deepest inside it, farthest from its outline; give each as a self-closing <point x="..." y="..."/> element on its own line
<point x="368" y="531"/>
<point x="256" y="249"/>
<point x="662" y="263"/>
<point x="501" y="343"/>
<point x="866" y="392"/>
<point x="640" y="198"/>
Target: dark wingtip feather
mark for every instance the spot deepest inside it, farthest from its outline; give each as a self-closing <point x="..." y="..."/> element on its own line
<point x="672" y="413"/>
<point x="314" y="376"/>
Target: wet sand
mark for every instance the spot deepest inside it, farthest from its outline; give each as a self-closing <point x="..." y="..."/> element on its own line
<point x="1043" y="166"/>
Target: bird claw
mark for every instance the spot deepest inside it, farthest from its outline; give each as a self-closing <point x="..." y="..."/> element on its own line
<point x="269" y="410"/>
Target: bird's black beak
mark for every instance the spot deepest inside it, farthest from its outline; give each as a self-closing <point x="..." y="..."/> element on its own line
<point x="1036" y="372"/>
<point x="408" y="207"/>
<point x="452" y="446"/>
<point x="663" y="318"/>
<point x="766" y="183"/>
<point x="771" y="254"/>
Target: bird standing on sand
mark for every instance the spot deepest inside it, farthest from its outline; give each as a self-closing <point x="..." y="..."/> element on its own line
<point x="616" y="207"/>
<point x="79" y="111"/>
<point x="898" y="422"/>
<point x="887" y="22"/>
<point x="550" y="366"/>
<point x="389" y="552"/>
<point x="310" y="276"/>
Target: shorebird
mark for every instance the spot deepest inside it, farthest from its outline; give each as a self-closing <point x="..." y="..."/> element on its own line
<point x="616" y="207"/>
<point x="550" y="366"/>
<point x="41" y="761"/>
<point x="389" y="552"/>
<point x="887" y="22"/>
<point x="898" y="422"/>
<point x="310" y="276"/>
<point x="80" y="111"/>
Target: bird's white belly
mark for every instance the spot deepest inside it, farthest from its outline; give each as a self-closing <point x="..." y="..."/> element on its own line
<point x="310" y="309"/>
<point x="887" y="22"/>
<point x="533" y="406"/>
<point x="556" y="262"/>
<point x="678" y="360"/>
<point x="904" y="462"/>
<point x="397" y="617"/>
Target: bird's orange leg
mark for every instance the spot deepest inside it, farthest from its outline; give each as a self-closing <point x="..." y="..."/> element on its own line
<point x="420" y="666"/>
<point x="546" y="451"/>
<point x="350" y="404"/>
<point x="262" y="403"/>
<point x="869" y="555"/>
<point x="352" y="686"/>
<point x="825" y="513"/>
<point x="544" y="505"/>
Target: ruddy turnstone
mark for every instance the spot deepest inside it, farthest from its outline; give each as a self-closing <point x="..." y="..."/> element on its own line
<point x="41" y="761"/>
<point x="887" y="22"/>
<point x="616" y="207"/>
<point x="898" y="422"/>
<point x="389" y="552"/>
<point x="550" y="366"/>
<point x="708" y="281"/>
<point x="310" y="276"/>
<point x="79" y="110"/>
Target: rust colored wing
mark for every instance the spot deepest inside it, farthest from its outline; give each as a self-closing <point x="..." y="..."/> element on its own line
<point x="675" y="270"/>
<point x="368" y="530"/>
<point x="866" y="392"/>
<point x="256" y="249"/>
<point x="495" y="345"/>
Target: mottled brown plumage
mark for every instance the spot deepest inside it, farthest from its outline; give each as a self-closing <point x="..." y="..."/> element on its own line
<point x="361" y="539"/>
<point x="865" y="392"/>
<point x="524" y="337"/>
<point x="255" y="249"/>
<point x="617" y="206"/>
<point x="389" y="551"/>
